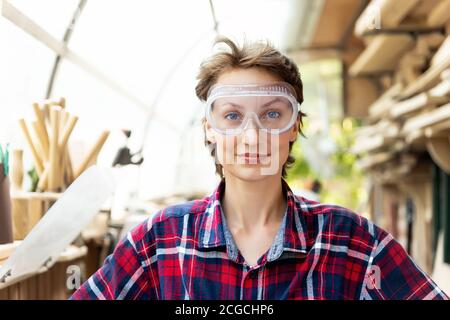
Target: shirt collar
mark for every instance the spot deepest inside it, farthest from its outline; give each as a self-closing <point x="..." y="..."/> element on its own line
<point x="291" y="237"/>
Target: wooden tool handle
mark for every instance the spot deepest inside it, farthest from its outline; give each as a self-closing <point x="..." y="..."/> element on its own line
<point x="69" y="169"/>
<point x="71" y="122"/>
<point x="37" y="160"/>
<point x="66" y="162"/>
<point x="43" y="179"/>
<point x="43" y="151"/>
<point x="40" y="117"/>
<point x="63" y="159"/>
<point x="46" y="113"/>
<point x="92" y="153"/>
<point x="53" y="157"/>
<point x="62" y="102"/>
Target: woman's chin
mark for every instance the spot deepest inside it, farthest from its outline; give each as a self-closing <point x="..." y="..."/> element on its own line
<point x="251" y="172"/>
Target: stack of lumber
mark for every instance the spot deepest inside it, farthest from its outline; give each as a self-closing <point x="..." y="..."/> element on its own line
<point x="405" y="141"/>
<point x="408" y="55"/>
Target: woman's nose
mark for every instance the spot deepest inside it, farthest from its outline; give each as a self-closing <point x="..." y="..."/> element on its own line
<point x="250" y="133"/>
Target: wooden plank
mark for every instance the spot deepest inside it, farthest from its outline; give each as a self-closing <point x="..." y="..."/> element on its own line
<point x="414" y="104"/>
<point x="422" y="9"/>
<point x="387" y="13"/>
<point x="336" y="19"/>
<point x="55" y="274"/>
<point x="439" y="63"/>
<point x="382" y="54"/>
<point x="35" y="212"/>
<point x="385" y="101"/>
<point x="32" y="288"/>
<point x="440" y="14"/>
<point x="375" y="159"/>
<point x="430" y="118"/>
<point x="26" y="214"/>
<point x="13" y="292"/>
<point x="48" y="285"/>
<point x="4" y="294"/>
<point x="441" y="129"/>
<point x="41" y="286"/>
<point x="368" y="144"/>
<point x="23" y="290"/>
<point x="443" y="52"/>
<point x="20" y="218"/>
<point x="441" y="90"/>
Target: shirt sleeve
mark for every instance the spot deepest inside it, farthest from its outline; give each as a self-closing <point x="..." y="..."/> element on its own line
<point x="393" y="275"/>
<point x="121" y="277"/>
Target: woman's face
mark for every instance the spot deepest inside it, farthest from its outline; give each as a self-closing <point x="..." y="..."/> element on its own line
<point x="253" y="154"/>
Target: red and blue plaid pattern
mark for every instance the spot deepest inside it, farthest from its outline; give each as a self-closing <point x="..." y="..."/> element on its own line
<point x="186" y="251"/>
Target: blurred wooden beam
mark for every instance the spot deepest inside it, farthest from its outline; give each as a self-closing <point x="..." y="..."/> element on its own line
<point x="383" y="13"/>
<point x="336" y="22"/>
<point x="382" y="54"/>
<point x="36" y="31"/>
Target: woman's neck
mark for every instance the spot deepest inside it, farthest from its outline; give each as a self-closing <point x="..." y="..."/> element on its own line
<point x="251" y="205"/>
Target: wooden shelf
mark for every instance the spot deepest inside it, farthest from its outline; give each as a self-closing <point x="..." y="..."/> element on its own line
<point x="411" y="105"/>
<point x="44" y="196"/>
<point x="440" y="14"/>
<point x="366" y="144"/>
<point x="427" y="119"/>
<point x="390" y="14"/>
<point x="382" y="54"/>
<point x="375" y="159"/>
<point x="385" y="102"/>
<point x="440" y="129"/>
<point x="431" y="77"/>
<point x="436" y="96"/>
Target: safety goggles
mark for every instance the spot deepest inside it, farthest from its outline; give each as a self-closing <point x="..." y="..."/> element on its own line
<point x="273" y="108"/>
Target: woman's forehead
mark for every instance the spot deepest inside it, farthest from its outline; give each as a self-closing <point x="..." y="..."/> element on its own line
<point x="244" y="101"/>
<point x="247" y="76"/>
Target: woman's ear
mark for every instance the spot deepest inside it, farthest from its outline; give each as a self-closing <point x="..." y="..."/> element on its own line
<point x="294" y="131"/>
<point x="209" y="131"/>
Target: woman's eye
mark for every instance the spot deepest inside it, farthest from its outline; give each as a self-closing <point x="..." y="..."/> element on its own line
<point x="273" y="114"/>
<point x="232" y="116"/>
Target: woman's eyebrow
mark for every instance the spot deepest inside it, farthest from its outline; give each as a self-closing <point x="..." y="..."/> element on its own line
<point x="232" y="104"/>
<point x="241" y="107"/>
<point x="270" y="102"/>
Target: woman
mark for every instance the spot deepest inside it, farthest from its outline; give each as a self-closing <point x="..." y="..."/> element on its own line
<point x="252" y="238"/>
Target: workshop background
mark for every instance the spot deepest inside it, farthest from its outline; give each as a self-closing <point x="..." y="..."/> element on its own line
<point x="86" y="82"/>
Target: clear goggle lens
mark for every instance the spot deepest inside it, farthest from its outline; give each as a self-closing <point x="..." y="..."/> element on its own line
<point x="272" y="108"/>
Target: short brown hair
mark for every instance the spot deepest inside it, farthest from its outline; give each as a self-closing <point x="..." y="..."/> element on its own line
<point x="250" y="55"/>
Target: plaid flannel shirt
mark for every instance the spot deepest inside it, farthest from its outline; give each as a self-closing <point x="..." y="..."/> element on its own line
<point x="186" y="251"/>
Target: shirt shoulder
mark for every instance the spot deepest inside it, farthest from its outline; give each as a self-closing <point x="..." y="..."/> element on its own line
<point x="167" y="221"/>
<point x="339" y="221"/>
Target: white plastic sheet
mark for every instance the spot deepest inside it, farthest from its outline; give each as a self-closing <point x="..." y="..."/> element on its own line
<point x="61" y="224"/>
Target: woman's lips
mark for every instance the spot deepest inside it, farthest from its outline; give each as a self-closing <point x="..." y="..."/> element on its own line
<point x="253" y="157"/>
